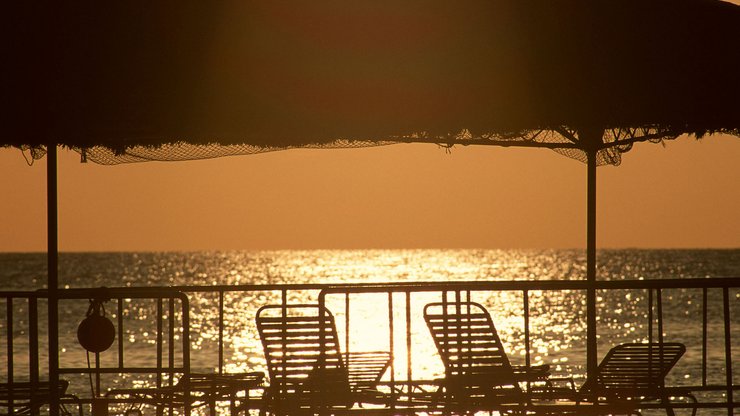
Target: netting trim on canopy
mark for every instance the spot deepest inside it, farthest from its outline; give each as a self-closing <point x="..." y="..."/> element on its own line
<point x="181" y="151"/>
<point x="32" y="153"/>
<point x="564" y="140"/>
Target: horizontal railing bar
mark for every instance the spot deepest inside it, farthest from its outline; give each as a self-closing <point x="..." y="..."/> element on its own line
<point x="18" y="294"/>
<point x="503" y="285"/>
<point x="708" y="387"/>
<point x="110" y="370"/>
<point x="433" y="382"/>
<point x="84" y="293"/>
<point x="687" y="405"/>
<point x="143" y="292"/>
<point x="148" y="291"/>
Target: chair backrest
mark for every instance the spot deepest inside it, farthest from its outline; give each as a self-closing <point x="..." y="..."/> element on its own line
<point x="302" y="352"/>
<point x="366" y="368"/>
<point x="634" y="369"/>
<point x="470" y="348"/>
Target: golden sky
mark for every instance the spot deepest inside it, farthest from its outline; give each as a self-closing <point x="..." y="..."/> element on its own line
<point x="683" y="194"/>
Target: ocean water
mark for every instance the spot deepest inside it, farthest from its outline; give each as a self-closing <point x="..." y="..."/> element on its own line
<point x="557" y="318"/>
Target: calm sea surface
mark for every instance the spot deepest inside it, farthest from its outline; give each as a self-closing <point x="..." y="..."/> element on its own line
<point x="557" y="318"/>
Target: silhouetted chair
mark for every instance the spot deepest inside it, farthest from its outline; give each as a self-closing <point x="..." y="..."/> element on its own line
<point x="200" y="389"/>
<point x="173" y="385"/>
<point x="306" y="368"/>
<point x="634" y="373"/>
<point x="26" y="398"/>
<point x="478" y="373"/>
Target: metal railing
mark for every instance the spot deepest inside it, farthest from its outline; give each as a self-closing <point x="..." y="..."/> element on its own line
<point x="397" y="295"/>
<point x="33" y="332"/>
<point x="462" y="292"/>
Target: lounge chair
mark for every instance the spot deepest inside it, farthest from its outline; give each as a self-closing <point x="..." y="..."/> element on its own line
<point x="177" y="387"/>
<point x="201" y="389"/>
<point x="478" y="373"/>
<point x="634" y="373"/>
<point x="26" y="398"/>
<point x="307" y="371"/>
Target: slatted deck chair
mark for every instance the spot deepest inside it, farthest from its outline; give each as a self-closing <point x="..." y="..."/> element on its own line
<point x="478" y="374"/>
<point x="173" y="386"/>
<point x="629" y="377"/>
<point x="203" y="389"/>
<point x="26" y="398"/>
<point x="635" y="373"/>
<point x="307" y="371"/>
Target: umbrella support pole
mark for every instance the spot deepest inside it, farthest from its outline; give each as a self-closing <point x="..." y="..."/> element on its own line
<point x="53" y="271"/>
<point x="591" y="345"/>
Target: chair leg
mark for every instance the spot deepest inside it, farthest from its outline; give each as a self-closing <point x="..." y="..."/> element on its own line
<point x="693" y="399"/>
<point x="668" y="408"/>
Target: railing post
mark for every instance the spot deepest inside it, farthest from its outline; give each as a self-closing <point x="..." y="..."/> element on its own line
<point x="323" y="316"/>
<point x="650" y="315"/>
<point x="33" y="345"/>
<point x="527" y="354"/>
<point x="704" y="325"/>
<point x="392" y="350"/>
<point x="186" y="348"/>
<point x="728" y="350"/>
<point x="220" y="332"/>
<point x="119" y="321"/>
<point x="159" y="343"/>
<point x="282" y="386"/>
<point x="346" y="327"/>
<point x="171" y="339"/>
<point x="659" y="300"/>
<point x="408" y="344"/>
<point x="9" y="351"/>
<point x="9" y="337"/>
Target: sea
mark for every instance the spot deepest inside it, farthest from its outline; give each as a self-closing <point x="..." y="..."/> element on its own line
<point x="557" y="318"/>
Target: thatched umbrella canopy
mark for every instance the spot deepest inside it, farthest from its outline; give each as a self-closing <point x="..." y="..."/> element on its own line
<point x="276" y="75"/>
<point x="131" y="81"/>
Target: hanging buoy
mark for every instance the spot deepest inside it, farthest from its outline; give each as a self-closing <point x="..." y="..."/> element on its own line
<point x="96" y="332"/>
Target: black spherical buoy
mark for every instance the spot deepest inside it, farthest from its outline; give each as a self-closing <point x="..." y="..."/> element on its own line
<point x="96" y="333"/>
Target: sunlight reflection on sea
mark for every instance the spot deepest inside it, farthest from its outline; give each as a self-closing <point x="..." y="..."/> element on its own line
<point x="557" y="319"/>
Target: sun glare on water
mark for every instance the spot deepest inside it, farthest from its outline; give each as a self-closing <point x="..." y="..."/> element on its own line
<point x="390" y="323"/>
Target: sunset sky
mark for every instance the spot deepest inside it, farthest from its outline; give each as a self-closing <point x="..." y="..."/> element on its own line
<point x="684" y="194"/>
